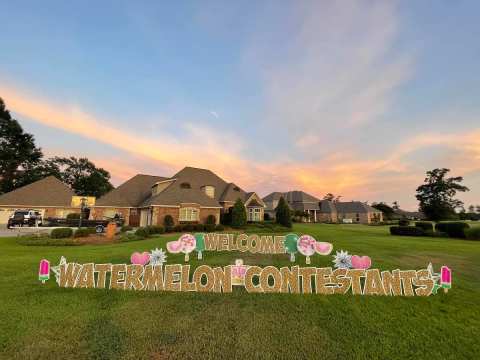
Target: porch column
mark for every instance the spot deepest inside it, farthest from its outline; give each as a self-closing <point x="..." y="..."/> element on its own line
<point x="315" y="215"/>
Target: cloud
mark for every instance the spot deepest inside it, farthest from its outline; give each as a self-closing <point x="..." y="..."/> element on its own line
<point x="214" y="114"/>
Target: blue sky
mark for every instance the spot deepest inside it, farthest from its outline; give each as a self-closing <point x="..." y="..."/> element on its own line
<point x="358" y="98"/>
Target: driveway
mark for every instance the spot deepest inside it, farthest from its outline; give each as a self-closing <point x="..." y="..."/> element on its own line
<point x="21" y="231"/>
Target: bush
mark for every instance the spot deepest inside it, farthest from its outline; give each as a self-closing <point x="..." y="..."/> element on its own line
<point x="188" y="227"/>
<point x="155" y="229"/>
<point x="210" y="227"/>
<point x="199" y="227"/>
<point x="125" y="228"/>
<point x="472" y="233"/>
<point x="211" y="220"/>
<point x="73" y="216"/>
<point x="168" y="222"/>
<point x="454" y="229"/>
<point x="83" y="232"/>
<point x="142" y="232"/>
<point x="169" y="229"/>
<point x="267" y="217"/>
<point x="437" y="234"/>
<point x="425" y="225"/>
<point x="178" y="228"/>
<point x="406" y="231"/>
<point x="61" y="233"/>
<point x="219" y="227"/>
<point x="404" y="222"/>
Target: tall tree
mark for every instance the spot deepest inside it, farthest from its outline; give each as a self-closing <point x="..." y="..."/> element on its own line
<point x="471" y="209"/>
<point x="395" y="206"/>
<point x="239" y="214"/>
<point x="81" y="174"/>
<point x="18" y="155"/>
<point x="436" y="195"/>
<point x="331" y="197"/>
<point x="283" y="215"/>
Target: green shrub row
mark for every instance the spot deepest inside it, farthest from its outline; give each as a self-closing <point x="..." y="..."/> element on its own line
<point x="455" y="229"/>
<point x="82" y="232"/>
<point x="406" y="231"/>
<point x="473" y="233"/>
<point x="61" y="233"/>
<point x="425" y="225"/>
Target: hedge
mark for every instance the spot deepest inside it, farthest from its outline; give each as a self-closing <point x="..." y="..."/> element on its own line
<point x="454" y="229"/>
<point x="404" y="222"/>
<point x="125" y="228"/>
<point x="142" y="232"/>
<point x="82" y="232"/>
<point x="425" y="225"/>
<point x="61" y="233"/>
<point x="406" y="231"/>
<point x="155" y="229"/>
<point x="473" y="233"/>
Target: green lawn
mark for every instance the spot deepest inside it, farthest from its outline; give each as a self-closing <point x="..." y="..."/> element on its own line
<point x="44" y="321"/>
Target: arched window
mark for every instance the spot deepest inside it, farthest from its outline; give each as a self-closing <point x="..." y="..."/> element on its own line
<point x="209" y="190"/>
<point x="185" y="185"/>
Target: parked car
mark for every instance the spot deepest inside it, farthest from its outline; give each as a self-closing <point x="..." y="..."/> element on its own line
<point x="25" y="217"/>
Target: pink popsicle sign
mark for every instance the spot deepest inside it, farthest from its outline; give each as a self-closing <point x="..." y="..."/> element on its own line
<point x="44" y="271"/>
<point x="446" y="278"/>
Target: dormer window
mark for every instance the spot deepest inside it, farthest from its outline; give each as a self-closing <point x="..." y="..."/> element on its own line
<point x="209" y="191"/>
<point x="236" y="188"/>
<point x="185" y="185"/>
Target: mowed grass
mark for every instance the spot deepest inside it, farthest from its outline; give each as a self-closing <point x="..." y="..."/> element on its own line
<point x="44" y="321"/>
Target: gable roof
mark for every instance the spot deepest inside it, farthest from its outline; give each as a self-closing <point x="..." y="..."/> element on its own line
<point x="131" y="193"/>
<point x="232" y="192"/>
<point x="45" y="192"/>
<point x="297" y="200"/>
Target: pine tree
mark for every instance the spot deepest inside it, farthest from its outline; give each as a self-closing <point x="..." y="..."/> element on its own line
<point x="282" y="213"/>
<point x="239" y="214"/>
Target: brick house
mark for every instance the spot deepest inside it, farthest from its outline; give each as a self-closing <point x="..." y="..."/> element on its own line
<point x="191" y="195"/>
<point x="49" y="196"/>
<point x="323" y="210"/>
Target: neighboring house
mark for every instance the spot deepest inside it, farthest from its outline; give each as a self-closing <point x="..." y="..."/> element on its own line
<point x="191" y="195"/>
<point x="49" y="196"/>
<point x="410" y="215"/>
<point x="323" y="210"/>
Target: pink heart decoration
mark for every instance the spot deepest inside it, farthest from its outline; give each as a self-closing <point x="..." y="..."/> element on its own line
<point x="174" y="247"/>
<point x="140" y="258"/>
<point x="323" y="248"/>
<point x="361" y="262"/>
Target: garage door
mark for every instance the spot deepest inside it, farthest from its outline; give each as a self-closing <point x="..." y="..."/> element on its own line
<point x="5" y="214"/>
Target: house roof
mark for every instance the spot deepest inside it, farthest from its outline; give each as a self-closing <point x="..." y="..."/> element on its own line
<point x="297" y="200"/>
<point x="232" y="192"/>
<point x="354" y="207"/>
<point x="45" y="192"/>
<point x="175" y="195"/>
<point x="131" y="193"/>
<point x="327" y="206"/>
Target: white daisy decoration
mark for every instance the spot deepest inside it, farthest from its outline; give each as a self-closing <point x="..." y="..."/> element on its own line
<point x="342" y="260"/>
<point x="56" y="269"/>
<point x="158" y="257"/>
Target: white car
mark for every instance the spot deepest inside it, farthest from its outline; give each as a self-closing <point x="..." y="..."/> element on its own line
<point x="25" y="217"/>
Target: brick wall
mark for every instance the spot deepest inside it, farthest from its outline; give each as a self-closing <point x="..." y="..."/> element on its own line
<point x="204" y="213"/>
<point x="159" y="214"/>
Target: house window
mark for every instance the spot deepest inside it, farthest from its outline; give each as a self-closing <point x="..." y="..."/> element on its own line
<point x="185" y="185"/>
<point x="209" y="191"/>
<point x="189" y="214"/>
<point x="358" y="217"/>
<point x="254" y="214"/>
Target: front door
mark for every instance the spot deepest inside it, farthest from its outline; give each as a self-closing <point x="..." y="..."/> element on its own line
<point x="134" y="218"/>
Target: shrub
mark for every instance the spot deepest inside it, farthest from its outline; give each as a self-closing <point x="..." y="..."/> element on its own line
<point x="437" y="234"/>
<point x="404" y="222"/>
<point x="282" y="213"/>
<point x="211" y="220"/>
<point x="61" y="233"/>
<point x="155" y="229"/>
<point x="188" y="227"/>
<point x="142" y="232"/>
<point x="169" y="229"/>
<point x="210" y="227"/>
<point x="266" y="217"/>
<point x="425" y="225"/>
<point x="472" y="233"/>
<point x="168" y="222"/>
<point x="239" y="214"/>
<point x="219" y="227"/>
<point x="406" y="231"/>
<point x="125" y="228"/>
<point x="178" y="228"/>
<point x="199" y="227"/>
<point x="454" y="229"/>
<point x="73" y="216"/>
<point x="82" y="232"/>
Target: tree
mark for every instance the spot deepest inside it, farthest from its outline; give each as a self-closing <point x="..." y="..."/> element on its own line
<point x="331" y="197"/>
<point x="388" y="211"/>
<point x="436" y="195"/>
<point x="395" y="206"/>
<point x="478" y="209"/>
<point x="471" y="209"/>
<point x="18" y="155"/>
<point x="239" y="214"/>
<point x="81" y="174"/>
<point x="282" y="213"/>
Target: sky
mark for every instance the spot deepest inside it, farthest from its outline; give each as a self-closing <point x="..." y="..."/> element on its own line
<point x="355" y="98"/>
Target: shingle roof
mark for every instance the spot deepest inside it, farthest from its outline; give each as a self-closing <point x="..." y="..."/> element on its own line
<point x="297" y="200"/>
<point x="327" y="206"/>
<point x="354" y="207"/>
<point x="46" y="192"/>
<point x="131" y="193"/>
<point x="232" y="192"/>
<point x="175" y="195"/>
